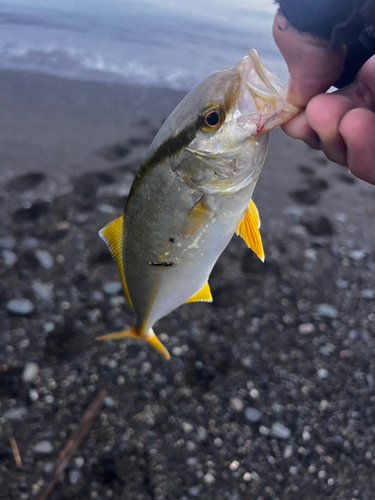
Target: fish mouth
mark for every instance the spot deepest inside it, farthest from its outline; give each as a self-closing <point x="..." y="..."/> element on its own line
<point x="267" y="92"/>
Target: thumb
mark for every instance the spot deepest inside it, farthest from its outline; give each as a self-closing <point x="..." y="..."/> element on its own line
<point x="312" y="65"/>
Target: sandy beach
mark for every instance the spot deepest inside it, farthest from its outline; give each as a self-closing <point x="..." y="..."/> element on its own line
<point x="270" y="392"/>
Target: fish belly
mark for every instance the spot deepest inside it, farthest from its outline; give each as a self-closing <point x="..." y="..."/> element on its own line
<point x="163" y="267"/>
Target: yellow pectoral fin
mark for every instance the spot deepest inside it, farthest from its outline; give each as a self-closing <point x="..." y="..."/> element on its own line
<point x="248" y="229"/>
<point x="133" y="332"/>
<point x="204" y="295"/>
<point x="113" y="235"/>
<point x="197" y="217"/>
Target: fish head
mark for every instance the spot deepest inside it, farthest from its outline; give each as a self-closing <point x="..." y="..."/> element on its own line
<point x="236" y="107"/>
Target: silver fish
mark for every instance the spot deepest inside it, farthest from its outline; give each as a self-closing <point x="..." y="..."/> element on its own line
<point x="193" y="192"/>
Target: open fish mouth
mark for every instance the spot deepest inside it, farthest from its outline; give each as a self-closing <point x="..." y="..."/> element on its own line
<point x="267" y="92"/>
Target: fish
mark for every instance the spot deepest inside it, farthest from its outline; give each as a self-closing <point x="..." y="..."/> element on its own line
<point x="193" y="192"/>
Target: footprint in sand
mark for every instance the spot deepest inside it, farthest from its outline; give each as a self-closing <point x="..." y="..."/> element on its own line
<point x="26" y="181"/>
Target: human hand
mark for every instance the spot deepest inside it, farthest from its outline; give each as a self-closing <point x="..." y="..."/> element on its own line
<point x="342" y="123"/>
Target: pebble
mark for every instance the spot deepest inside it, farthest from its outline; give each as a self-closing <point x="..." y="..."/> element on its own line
<point x="80" y="219"/>
<point x="327" y="349"/>
<point x="112" y="287"/>
<point x="234" y="465"/>
<point x="342" y="284"/>
<point x="187" y="427"/>
<point x="288" y="452"/>
<point x="306" y="328"/>
<point x="193" y="491"/>
<point x="43" y="291"/>
<point x="94" y="315"/>
<point x="74" y="476"/>
<point x="15" y="413"/>
<point x="357" y="255"/>
<point x="44" y="447"/>
<point x="45" y="259"/>
<point x="280" y="431"/>
<point x="109" y="402"/>
<point x="252" y="414"/>
<point x="323" y="373"/>
<point x="104" y="208"/>
<point x="30" y="372"/>
<point x="236" y="403"/>
<point x="48" y="466"/>
<point x="9" y="258"/>
<point x="264" y="430"/>
<point x="120" y="380"/>
<point x="20" y="307"/>
<point x="368" y="293"/>
<point x="327" y="311"/>
<point x="209" y="478"/>
<point x="7" y="242"/>
<point x="33" y="395"/>
<point x="48" y="327"/>
<point x="30" y="243"/>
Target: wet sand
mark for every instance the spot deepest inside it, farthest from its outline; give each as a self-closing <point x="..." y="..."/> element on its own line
<point x="293" y="338"/>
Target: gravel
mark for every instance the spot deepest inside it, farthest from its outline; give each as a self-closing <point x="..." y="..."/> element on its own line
<point x="20" y="307"/>
<point x="30" y="372"/>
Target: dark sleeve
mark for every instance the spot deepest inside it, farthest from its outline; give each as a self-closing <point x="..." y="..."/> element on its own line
<point x="340" y="22"/>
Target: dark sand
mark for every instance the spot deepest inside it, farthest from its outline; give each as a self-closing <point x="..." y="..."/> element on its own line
<point x="180" y="429"/>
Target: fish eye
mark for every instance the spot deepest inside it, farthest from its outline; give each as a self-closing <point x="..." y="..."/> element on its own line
<point x="211" y="118"/>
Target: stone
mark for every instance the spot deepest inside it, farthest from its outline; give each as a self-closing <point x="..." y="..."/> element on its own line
<point x="209" y="478"/>
<point x="342" y="284"/>
<point x="7" y="242"/>
<point x="30" y="243"/>
<point x="45" y="259"/>
<point x="236" y="403"/>
<point x="104" y="208"/>
<point x="74" y="476"/>
<point x="306" y="328"/>
<point x="30" y="372"/>
<point x="20" y="307"/>
<point x="9" y="258"/>
<point x="357" y="255"/>
<point x="279" y="430"/>
<point x="288" y="452"/>
<point x="234" y="465"/>
<point x="252" y="414"/>
<point x="323" y="373"/>
<point x="43" y="291"/>
<point x="327" y="311"/>
<point x="15" y="413"/>
<point x="368" y="293"/>
<point x="109" y="402"/>
<point x="112" y="287"/>
<point x="43" y="447"/>
<point x="187" y="427"/>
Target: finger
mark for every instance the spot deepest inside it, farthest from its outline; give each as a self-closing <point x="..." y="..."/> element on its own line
<point x="323" y="114"/>
<point x="312" y="65"/>
<point x="299" y="128"/>
<point x="358" y="131"/>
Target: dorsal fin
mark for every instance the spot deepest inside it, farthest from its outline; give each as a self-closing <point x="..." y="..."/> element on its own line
<point x="113" y="235"/>
<point x="203" y="295"/>
<point x="248" y="229"/>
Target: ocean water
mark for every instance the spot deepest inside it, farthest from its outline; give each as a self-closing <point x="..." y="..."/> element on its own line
<point x="170" y="43"/>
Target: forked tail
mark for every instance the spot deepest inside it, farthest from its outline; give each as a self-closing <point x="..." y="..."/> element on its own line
<point x="134" y="333"/>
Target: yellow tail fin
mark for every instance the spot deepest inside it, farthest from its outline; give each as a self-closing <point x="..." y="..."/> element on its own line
<point x="133" y="332"/>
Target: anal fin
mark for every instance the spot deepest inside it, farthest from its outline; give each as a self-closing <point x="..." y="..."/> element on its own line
<point x="113" y="235"/>
<point x="248" y="229"/>
<point x="203" y="295"/>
